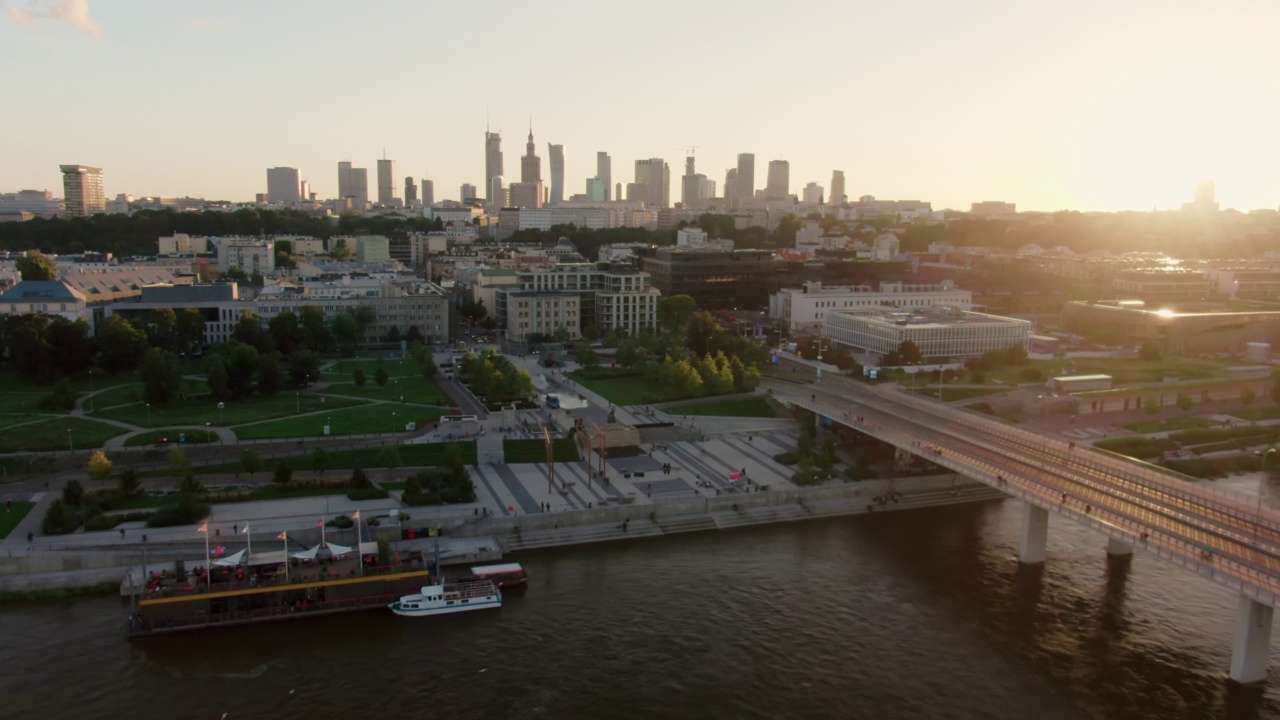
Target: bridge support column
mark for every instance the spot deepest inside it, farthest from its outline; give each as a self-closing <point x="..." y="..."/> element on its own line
<point x="1251" y="649"/>
<point x="1116" y="547"/>
<point x="1035" y="535"/>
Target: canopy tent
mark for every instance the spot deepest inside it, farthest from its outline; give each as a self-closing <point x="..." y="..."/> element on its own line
<point x="230" y="560"/>
<point x="268" y="558"/>
<point x="308" y="554"/>
<point x="338" y="550"/>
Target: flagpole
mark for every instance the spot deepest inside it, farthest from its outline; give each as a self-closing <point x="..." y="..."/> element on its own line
<point x="208" y="566"/>
<point x="248" y="538"/>
<point x="359" y="552"/>
<point x="285" y="537"/>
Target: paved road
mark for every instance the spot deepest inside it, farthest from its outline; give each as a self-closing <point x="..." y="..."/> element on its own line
<point x="1120" y="498"/>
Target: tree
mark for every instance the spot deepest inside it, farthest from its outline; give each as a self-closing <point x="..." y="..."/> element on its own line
<point x="270" y="375"/>
<point x="59" y="519"/>
<point x="190" y="487"/>
<point x="162" y="329"/>
<point x="122" y="345"/>
<point x="73" y="493"/>
<point x="586" y="356"/>
<point x="393" y="335"/>
<point x="219" y="382"/>
<point x="285" y="332"/>
<point x="35" y="265"/>
<point x="1275" y="393"/>
<point x="1248" y="397"/>
<point x="701" y="333"/>
<point x="250" y="332"/>
<point x="346" y="331"/>
<point x="561" y="334"/>
<point x="315" y="329"/>
<point x="283" y="473"/>
<point x="358" y="377"/>
<point x="1151" y="405"/>
<point x="339" y="250"/>
<point x="74" y="347"/>
<point x="178" y="463"/>
<point x="99" y="466"/>
<point x="390" y="457"/>
<point x="321" y="461"/>
<point x="359" y="479"/>
<point x="242" y="362"/>
<point x="1185" y="403"/>
<point x="675" y="311"/>
<point x="304" y="368"/>
<point x="381" y="377"/>
<point x="128" y="484"/>
<point x="413" y="335"/>
<point x="250" y="462"/>
<point x="910" y="353"/>
<point x="1150" y="352"/>
<point x="161" y="377"/>
<point x="189" y="325"/>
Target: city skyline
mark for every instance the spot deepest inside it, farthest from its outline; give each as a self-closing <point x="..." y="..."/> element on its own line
<point x="1093" y="107"/>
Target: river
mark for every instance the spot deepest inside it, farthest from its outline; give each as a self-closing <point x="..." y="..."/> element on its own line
<point x="924" y="614"/>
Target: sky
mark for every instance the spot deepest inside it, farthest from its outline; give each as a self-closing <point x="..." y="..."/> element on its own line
<point x="1088" y="105"/>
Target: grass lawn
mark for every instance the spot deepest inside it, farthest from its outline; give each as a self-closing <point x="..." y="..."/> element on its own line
<point x="203" y="409"/>
<point x="395" y="368"/>
<point x="756" y="407"/>
<point x="25" y="401"/>
<point x="9" y="520"/>
<point x="1169" y="425"/>
<point x="193" y="437"/>
<point x="1263" y="413"/>
<point x="1123" y="372"/>
<point x="416" y="455"/>
<point x="125" y="394"/>
<point x="414" y="389"/>
<point x="534" y="451"/>
<point x="775" y="371"/>
<point x="52" y="435"/>
<point x="377" y="418"/>
<point x="629" y="390"/>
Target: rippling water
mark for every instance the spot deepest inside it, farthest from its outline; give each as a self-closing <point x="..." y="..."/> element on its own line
<point x="898" y="615"/>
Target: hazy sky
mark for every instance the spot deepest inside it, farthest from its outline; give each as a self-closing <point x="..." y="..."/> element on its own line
<point x="1092" y="104"/>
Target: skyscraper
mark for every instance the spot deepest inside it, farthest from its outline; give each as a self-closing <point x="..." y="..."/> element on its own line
<point x="492" y="162"/>
<point x="604" y="172"/>
<point x="284" y="185"/>
<point x="556" y="156"/>
<point x="360" y="188"/>
<point x="779" y="185"/>
<point x="655" y="173"/>
<point x="693" y="187"/>
<point x="596" y="190"/>
<point x="730" y="186"/>
<point x="837" y="188"/>
<point x="468" y="191"/>
<point x="82" y="189"/>
<point x="428" y="193"/>
<point x="530" y="164"/>
<point x="410" y="192"/>
<point x="745" y="180"/>
<point x="812" y="194"/>
<point x="386" y="181"/>
<point x="344" y="179"/>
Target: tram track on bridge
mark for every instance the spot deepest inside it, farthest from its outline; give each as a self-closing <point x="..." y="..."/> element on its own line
<point x="1128" y="505"/>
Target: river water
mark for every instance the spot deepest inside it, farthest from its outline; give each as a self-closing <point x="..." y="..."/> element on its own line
<point x="922" y="614"/>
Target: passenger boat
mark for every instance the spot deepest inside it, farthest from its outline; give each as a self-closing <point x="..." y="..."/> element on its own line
<point x="443" y="598"/>
<point x="506" y="575"/>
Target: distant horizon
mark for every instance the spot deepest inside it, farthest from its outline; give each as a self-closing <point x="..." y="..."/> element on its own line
<point x="1092" y="108"/>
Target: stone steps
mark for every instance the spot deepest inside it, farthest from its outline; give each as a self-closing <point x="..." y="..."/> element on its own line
<point x="686" y="523"/>
<point x="578" y="535"/>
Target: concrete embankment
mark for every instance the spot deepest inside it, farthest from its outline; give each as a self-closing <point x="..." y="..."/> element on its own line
<point x="725" y="512"/>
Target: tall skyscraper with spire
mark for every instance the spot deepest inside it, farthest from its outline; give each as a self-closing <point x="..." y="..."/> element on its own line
<point x="386" y="181"/>
<point x="492" y="163"/>
<point x="530" y="164"/>
<point x="556" y="159"/>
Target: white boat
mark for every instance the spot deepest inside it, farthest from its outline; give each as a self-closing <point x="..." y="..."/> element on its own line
<point x="447" y="598"/>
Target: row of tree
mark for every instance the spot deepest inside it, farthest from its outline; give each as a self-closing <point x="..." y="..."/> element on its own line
<point x="495" y="377"/>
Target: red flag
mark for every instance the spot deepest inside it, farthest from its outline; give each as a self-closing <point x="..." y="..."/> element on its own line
<point x="319" y="523"/>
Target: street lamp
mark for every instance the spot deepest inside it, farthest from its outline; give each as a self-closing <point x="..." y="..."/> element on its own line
<point x="298" y="402"/>
<point x="208" y="434"/>
<point x="90" y="389"/>
<point x="148" y="414"/>
<point x="220" y="408"/>
<point x="393" y="423"/>
<point x="70" y="443"/>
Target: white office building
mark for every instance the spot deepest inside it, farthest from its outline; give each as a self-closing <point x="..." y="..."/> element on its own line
<point x="942" y="334"/>
<point x="249" y="255"/>
<point x="805" y="309"/>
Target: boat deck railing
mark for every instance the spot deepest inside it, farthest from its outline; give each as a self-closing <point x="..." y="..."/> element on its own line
<point x="304" y="573"/>
<point x="139" y="625"/>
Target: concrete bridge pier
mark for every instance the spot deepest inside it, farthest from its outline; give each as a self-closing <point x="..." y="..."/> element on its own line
<point x="1035" y="535"/>
<point x="1116" y="547"/>
<point x="1251" y="648"/>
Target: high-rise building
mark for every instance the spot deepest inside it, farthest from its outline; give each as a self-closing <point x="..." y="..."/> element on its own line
<point x="305" y="191"/>
<point x="639" y="192"/>
<point x="596" y="190"/>
<point x="617" y="190"/>
<point x="283" y="185"/>
<point x="744" y="182"/>
<point x="694" y="188"/>
<point x="837" y="188"/>
<point x="344" y="179"/>
<point x="468" y="191"/>
<point x="525" y="194"/>
<point x="779" y="185"/>
<point x="655" y="173"/>
<point x="556" y="158"/>
<point x="604" y="171"/>
<point x="812" y="194"/>
<point x="360" y="188"/>
<point x="82" y="190"/>
<point x="428" y="193"/>
<point x="386" y="181"/>
<point x="492" y="163"/>
<point x="530" y="164"/>
<point x="410" y="192"/>
<point x="730" y="186"/>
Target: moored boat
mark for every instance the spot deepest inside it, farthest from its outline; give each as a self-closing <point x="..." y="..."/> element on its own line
<point x="506" y="575"/>
<point x="445" y="597"/>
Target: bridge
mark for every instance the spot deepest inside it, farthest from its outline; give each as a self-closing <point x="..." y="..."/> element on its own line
<point x="1227" y="538"/>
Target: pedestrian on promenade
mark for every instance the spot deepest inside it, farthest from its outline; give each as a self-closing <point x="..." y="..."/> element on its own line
<point x="235" y="528"/>
<point x="121" y="533"/>
<point x="31" y="537"/>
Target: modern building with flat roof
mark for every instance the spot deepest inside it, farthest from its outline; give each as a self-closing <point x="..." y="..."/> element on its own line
<point x="1132" y="323"/>
<point x="82" y="190"/>
<point x="941" y="333"/>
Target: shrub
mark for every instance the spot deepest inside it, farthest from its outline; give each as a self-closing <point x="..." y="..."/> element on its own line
<point x="73" y="493"/>
<point x="59" y="519"/>
<point x="102" y="522"/>
<point x="186" y="511"/>
<point x="368" y="493"/>
<point x="129" y="485"/>
<point x="790" y="457"/>
<point x="359" y="479"/>
<point x="342" y="522"/>
<point x="283" y="473"/>
<point x="1030" y="375"/>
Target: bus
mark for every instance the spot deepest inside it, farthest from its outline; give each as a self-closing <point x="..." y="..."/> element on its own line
<point x="504" y="576"/>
